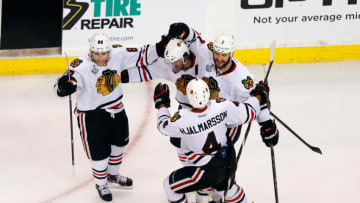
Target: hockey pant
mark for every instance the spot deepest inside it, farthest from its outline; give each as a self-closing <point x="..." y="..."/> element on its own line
<point x="214" y="175"/>
<point x="104" y="137"/>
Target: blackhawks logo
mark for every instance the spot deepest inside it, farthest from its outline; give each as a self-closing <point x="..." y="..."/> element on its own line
<point x="107" y="82"/>
<point x="175" y="117"/>
<point x="220" y="99"/>
<point x="248" y="82"/>
<point x="75" y="63"/>
<point x="210" y="46"/>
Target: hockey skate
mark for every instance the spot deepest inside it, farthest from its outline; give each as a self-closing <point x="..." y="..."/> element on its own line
<point x="104" y="192"/>
<point x="120" y="182"/>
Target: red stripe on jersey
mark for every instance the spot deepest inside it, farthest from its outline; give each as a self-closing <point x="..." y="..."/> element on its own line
<point x="182" y="157"/>
<point x="115" y="106"/>
<point x="252" y="115"/>
<point x="187" y="182"/>
<point x="230" y="70"/>
<point x="142" y="64"/>
<point x="193" y="60"/>
<point x="238" y="197"/>
<point x="199" y="111"/>
<point x="195" y="155"/>
<point x="83" y="135"/>
<point x="233" y="132"/>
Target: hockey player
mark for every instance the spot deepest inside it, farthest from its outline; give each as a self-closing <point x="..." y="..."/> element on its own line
<point x="234" y="80"/>
<point x="101" y="116"/>
<point x="209" y="152"/>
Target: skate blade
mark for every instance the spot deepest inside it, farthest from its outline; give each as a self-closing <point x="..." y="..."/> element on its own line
<point x="117" y="186"/>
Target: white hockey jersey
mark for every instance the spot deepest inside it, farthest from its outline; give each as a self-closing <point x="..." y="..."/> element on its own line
<point x="236" y="83"/>
<point x="98" y="87"/>
<point x="163" y="70"/>
<point x="202" y="133"/>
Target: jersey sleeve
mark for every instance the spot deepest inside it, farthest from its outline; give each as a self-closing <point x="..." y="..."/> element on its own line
<point x="241" y="113"/>
<point x="74" y="73"/>
<point x="167" y="125"/>
<point x="134" y="62"/>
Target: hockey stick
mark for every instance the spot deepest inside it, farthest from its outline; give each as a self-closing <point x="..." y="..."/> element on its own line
<point x="71" y="123"/>
<point x="315" y="149"/>
<point x="272" y="54"/>
<point x="274" y="173"/>
<point x="232" y="178"/>
<point x="271" y="147"/>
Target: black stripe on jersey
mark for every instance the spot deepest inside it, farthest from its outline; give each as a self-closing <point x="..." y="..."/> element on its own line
<point x="163" y="116"/>
<point x="188" y="153"/>
<point x="185" y="104"/>
<point x="247" y="113"/>
<point x="110" y="102"/>
<point x="147" y="71"/>
<point x="264" y="107"/>
<point x="146" y="62"/>
<point x="196" y="69"/>
<point x="198" y="159"/>
<point x="146" y="53"/>
<point x="137" y="65"/>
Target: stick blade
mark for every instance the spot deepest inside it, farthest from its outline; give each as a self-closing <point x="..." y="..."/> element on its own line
<point x="316" y="149"/>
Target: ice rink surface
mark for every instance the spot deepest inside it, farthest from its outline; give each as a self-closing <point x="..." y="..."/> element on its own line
<point x="320" y="101"/>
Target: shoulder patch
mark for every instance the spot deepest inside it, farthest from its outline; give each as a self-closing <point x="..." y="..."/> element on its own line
<point x="175" y="117"/>
<point x="76" y="62"/>
<point x="210" y="46"/>
<point x="248" y="82"/>
<point x="220" y="99"/>
<point x="116" y="45"/>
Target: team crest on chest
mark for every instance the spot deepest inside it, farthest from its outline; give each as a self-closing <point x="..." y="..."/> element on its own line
<point x="75" y="63"/>
<point x="175" y="117"/>
<point x="248" y="82"/>
<point x="107" y="82"/>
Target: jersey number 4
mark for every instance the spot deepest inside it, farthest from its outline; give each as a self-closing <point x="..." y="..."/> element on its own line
<point x="211" y="143"/>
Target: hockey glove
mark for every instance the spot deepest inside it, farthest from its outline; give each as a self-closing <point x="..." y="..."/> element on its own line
<point x="213" y="86"/>
<point x="66" y="86"/>
<point x="269" y="133"/>
<point x="179" y="30"/>
<point x="261" y="91"/>
<point x="160" y="46"/>
<point x="161" y="95"/>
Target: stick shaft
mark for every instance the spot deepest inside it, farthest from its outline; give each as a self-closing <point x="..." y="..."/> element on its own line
<point x="315" y="149"/>
<point x="274" y="174"/>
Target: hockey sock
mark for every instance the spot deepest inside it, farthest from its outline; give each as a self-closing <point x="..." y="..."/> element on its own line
<point x="236" y="194"/>
<point x="115" y="159"/>
<point x="202" y="196"/>
<point x="99" y="169"/>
